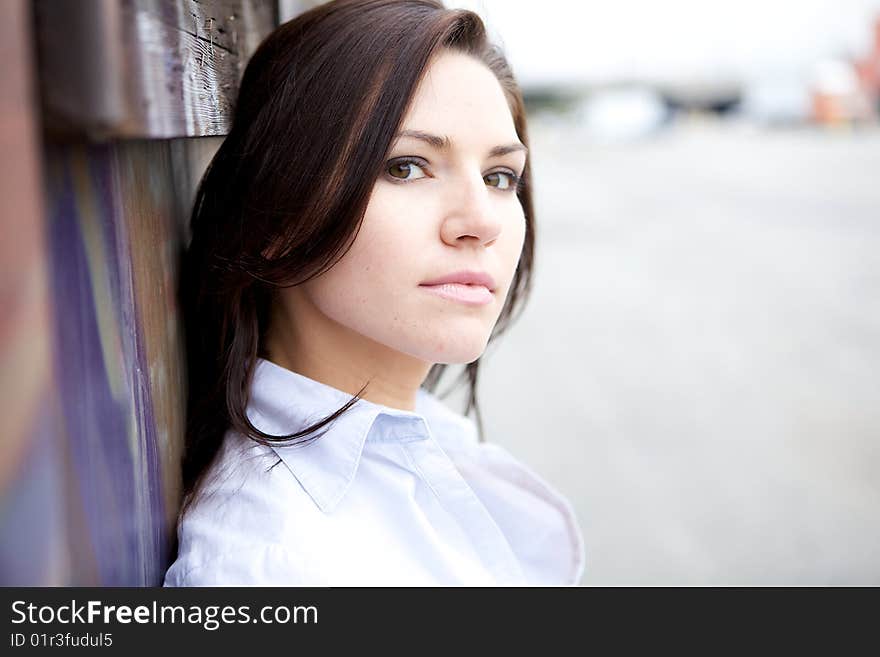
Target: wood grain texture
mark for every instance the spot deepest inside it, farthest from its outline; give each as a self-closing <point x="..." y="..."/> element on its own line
<point x="91" y="338"/>
<point x="145" y="68"/>
<point x="114" y="241"/>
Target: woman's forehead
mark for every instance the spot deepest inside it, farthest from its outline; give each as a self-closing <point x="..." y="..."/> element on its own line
<point x="461" y="98"/>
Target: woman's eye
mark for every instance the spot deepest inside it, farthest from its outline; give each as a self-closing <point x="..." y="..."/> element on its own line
<point x="405" y="171"/>
<point x="501" y="180"/>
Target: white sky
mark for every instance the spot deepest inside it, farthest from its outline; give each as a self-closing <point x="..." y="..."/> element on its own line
<point x="673" y="40"/>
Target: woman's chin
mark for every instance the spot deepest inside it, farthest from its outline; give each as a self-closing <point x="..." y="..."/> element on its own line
<point x="461" y="352"/>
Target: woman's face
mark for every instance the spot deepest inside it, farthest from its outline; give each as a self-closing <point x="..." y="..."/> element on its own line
<point x="445" y="204"/>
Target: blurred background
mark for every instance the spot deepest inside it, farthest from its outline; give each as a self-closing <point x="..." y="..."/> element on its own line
<point x="696" y="370"/>
<point x="698" y="366"/>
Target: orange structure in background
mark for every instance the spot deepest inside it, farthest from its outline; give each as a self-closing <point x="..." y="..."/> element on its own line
<point x="869" y="69"/>
<point x="839" y="98"/>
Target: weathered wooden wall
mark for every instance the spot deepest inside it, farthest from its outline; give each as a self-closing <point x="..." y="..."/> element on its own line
<point x="126" y="95"/>
<point x="145" y="68"/>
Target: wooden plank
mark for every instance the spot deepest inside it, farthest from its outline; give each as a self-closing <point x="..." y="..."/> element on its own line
<point x="145" y="68"/>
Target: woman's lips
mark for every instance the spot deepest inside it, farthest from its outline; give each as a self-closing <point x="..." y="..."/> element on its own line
<point x="471" y="295"/>
<point x="465" y="277"/>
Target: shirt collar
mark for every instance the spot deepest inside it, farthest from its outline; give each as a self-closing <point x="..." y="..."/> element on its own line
<point x="283" y="402"/>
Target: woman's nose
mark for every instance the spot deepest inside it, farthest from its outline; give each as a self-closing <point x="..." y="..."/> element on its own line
<point x="471" y="216"/>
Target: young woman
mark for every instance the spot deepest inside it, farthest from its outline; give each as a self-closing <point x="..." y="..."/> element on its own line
<point x="367" y="221"/>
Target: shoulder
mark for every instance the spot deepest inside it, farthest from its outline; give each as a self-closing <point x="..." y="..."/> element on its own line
<point x="237" y="529"/>
<point x="248" y="564"/>
<point x="246" y="481"/>
<point x="538" y="519"/>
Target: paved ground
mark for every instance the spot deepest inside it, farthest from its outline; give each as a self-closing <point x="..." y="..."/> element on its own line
<point x="698" y="368"/>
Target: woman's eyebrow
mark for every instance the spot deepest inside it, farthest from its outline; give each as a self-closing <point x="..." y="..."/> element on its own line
<point x="444" y="143"/>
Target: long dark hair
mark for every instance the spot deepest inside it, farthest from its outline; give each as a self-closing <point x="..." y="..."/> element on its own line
<point x="318" y="108"/>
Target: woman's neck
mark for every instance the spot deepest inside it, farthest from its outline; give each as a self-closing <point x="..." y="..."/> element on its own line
<point x="310" y="343"/>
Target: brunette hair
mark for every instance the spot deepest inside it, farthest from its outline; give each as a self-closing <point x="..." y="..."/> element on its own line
<point x="318" y="108"/>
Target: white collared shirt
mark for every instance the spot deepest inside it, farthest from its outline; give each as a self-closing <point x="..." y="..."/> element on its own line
<point x="385" y="497"/>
